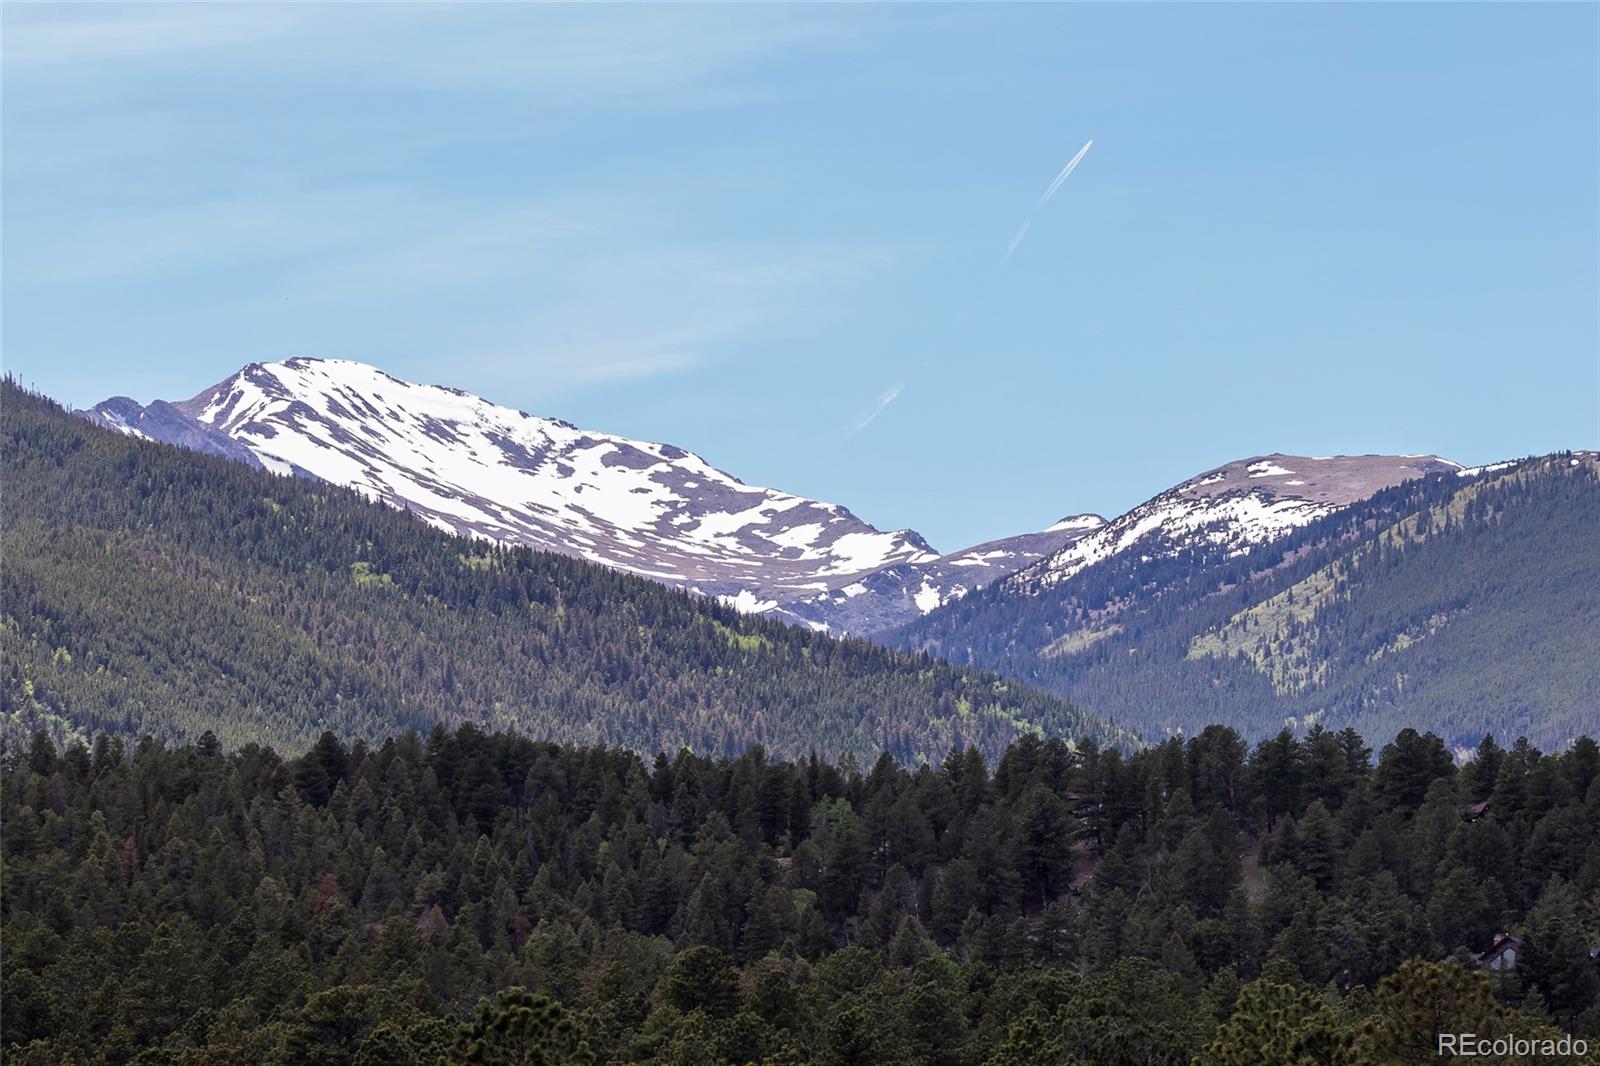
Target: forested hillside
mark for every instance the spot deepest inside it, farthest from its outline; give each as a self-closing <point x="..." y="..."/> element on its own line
<point x="1461" y="605"/>
<point x="488" y="898"/>
<point x="151" y="590"/>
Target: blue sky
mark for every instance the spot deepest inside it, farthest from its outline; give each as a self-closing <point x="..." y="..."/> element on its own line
<point x="1316" y="229"/>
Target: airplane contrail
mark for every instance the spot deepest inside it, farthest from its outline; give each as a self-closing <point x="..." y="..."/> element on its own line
<point x="1022" y="233"/>
<point x="1061" y="177"/>
<point x="1016" y="240"/>
<point x="865" y="418"/>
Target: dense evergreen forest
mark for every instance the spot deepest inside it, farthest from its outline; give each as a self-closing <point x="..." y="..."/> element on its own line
<point x="149" y="590"/>
<point x="1460" y="605"/>
<point x="953" y="882"/>
<point x="488" y="898"/>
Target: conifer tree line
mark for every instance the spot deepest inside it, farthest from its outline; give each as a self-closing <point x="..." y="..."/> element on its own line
<point x="152" y="590"/>
<point x="476" y="897"/>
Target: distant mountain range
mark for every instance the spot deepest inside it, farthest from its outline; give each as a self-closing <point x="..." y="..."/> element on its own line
<point x="1232" y="509"/>
<point x="474" y="467"/>
<point x="1274" y="590"/>
<point x="1463" y="601"/>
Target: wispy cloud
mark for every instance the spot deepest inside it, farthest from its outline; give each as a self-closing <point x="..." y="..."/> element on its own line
<point x="599" y="51"/>
<point x="558" y="294"/>
<point x="1061" y="177"/>
<point x="41" y="37"/>
<point x="133" y="183"/>
<point x="866" y="418"/>
<point x="445" y="224"/>
<point x="629" y="314"/>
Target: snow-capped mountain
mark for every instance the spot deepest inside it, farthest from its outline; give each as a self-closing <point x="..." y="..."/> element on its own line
<point x="902" y="592"/>
<point x="1413" y="605"/>
<point x="1196" y="538"/>
<point x="474" y="467"/>
<point x="1235" y="507"/>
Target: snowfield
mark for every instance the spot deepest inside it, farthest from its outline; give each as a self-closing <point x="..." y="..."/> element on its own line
<point x="1237" y="507"/>
<point x="471" y="466"/>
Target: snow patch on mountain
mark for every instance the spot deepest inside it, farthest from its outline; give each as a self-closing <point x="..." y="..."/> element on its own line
<point x="474" y="467"/>
<point x="1238" y="507"/>
<point x="895" y="595"/>
<point x="1473" y="471"/>
<point x="1076" y="523"/>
